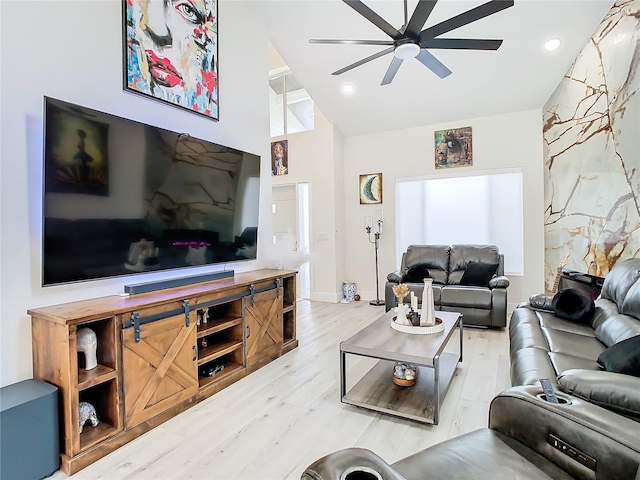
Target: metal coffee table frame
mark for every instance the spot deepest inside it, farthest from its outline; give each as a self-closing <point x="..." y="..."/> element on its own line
<point x="376" y="390"/>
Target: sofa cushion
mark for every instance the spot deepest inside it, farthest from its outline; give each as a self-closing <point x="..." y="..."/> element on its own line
<point x="573" y="304"/>
<point x="614" y="391"/>
<point x="551" y="321"/>
<point x="562" y="362"/>
<point x="616" y="328"/>
<point x="620" y="279"/>
<point x="478" y="274"/>
<point x="623" y="357"/>
<point x="529" y="365"/>
<point x="571" y="344"/>
<point x="631" y="304"/>
<point x="416" y="273"/>
<point x="434" y="257"/>
<point x="464" y="296"/>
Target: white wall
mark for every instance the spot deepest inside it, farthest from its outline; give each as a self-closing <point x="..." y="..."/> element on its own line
<point x="72" y="50"/>
<point x="312" y="159"/>
<point x="513" y="140"/>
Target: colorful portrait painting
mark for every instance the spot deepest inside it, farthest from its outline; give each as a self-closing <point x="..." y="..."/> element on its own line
<point x="171" y="50"/>
<point x="371" y="188"/>
<point x="454" y="148"/>
<point x="280" y="157"/>
<point x="76" y="159"/>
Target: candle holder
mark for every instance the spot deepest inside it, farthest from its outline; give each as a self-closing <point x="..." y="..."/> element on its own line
<point x="368" y="222"/>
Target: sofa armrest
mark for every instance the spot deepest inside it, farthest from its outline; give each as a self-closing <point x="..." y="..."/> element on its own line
<point x="499" y="282"/>
<point x="522" y="414"/>
<point x="613" y="391"/>
<point x="395" y="277"/>
<point x="350" y="461"/>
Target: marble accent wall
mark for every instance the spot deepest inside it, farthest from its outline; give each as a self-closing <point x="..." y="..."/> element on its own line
<point x="591" y="133"/>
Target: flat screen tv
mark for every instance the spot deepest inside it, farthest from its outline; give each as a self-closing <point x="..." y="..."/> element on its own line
<point x="122" y="197"/>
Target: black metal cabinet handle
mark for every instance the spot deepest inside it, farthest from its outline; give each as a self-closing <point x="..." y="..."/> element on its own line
<point x="248" y="331"/>
<point x="195" y="353"/>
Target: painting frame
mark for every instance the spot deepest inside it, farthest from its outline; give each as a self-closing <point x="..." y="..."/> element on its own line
<point x="148" y="69"/>
<point x="280" y="157"/>
<point x="453" y="148"/>
<point x="370" y="188"/>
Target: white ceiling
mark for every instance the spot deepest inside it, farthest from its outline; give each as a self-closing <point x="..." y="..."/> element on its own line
<point x="519" y="76"/>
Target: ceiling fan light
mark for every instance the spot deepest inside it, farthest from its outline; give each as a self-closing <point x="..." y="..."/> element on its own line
<point x="406" y="51"/>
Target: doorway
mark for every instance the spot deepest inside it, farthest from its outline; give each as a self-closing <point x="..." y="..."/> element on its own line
<point x="291" y="226"/>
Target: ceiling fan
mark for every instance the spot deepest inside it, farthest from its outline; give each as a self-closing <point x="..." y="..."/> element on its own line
<point x="410" y="42"/>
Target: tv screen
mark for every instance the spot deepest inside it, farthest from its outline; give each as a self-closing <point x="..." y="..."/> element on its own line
<point x="122" y="197"/>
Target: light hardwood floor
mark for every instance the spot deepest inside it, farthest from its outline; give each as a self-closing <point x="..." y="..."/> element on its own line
<point x="273" y="423"/>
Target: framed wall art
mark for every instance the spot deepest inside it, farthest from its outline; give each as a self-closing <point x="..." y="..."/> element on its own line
<point x="280" y="157"/>
<point x="171" y="52"/>
<point x="453" y="148"/>
<point x="370" y="188"/>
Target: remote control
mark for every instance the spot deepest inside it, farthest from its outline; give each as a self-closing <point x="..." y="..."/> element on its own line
<point x="547" y="388"/>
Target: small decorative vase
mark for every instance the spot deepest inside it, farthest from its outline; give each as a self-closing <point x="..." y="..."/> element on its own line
<point x="87" y="343"/>
<point x="349" y="291"/>
<point x="401" y="314"/>
<point x="428" y="316"/>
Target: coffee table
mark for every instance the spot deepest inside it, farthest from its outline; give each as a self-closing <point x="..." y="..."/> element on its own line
<point x="435" y="368"/>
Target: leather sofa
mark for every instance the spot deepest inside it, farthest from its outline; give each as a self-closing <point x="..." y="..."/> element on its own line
<point x="542" y="345"/>
<point x="527" y="438"/>
<point x="480" y="305"/>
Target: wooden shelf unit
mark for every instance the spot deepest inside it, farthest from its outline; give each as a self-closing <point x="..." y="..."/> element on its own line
<point x="151" y="362"/>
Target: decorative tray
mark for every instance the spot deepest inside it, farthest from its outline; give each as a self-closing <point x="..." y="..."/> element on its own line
<point x="437" y="328"/>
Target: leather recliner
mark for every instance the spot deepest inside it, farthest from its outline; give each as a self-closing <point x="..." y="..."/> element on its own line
<point x="527" y="438"/>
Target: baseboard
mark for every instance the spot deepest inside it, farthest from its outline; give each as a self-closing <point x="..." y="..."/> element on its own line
<point x="326" y="297"/>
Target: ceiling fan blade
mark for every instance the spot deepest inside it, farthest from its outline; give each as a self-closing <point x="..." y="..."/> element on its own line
<point x="374" y="18"/>
<point x="461" y="44"/>
<point x="419" y="17"/>
<point x="392" y="70"/>
<point x="433" y="64"/>
<point x="363" y="61"/>
<point x="350" y="42"/>
<point x="484" y="10"/>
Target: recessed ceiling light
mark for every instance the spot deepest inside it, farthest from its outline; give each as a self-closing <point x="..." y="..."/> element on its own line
<point x="348" y="89"/>
<point x="552" y="44"/>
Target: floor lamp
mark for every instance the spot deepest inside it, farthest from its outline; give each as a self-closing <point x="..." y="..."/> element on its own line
<point x="368" y="223"/>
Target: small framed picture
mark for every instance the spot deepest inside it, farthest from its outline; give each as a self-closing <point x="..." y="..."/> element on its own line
<point x="280" y="157"/>
<point x="371" y="188"/>
<point x="453" y="148"/>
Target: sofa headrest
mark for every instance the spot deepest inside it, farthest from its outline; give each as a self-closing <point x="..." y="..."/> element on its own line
<point x="434" y="257"/>
<point x="619" y="281"/>
<point x="462" y="254"/>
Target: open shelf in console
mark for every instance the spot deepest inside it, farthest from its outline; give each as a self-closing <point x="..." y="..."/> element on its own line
<point x="219" y="368"/>
<point x="103" y="397"/>
<point x="289" y="288"/>
<point x="106" y="370"/>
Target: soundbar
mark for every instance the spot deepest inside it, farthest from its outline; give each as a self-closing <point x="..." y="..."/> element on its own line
<point x="176" y="282"/>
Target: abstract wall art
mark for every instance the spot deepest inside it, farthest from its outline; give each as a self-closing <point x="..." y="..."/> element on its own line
<point x="171" y="52"/>
<point x="453" y="148"/>
<point x="371" y="188"/>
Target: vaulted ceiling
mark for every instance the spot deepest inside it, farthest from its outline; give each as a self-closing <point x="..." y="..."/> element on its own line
<point x="520" y="75"/>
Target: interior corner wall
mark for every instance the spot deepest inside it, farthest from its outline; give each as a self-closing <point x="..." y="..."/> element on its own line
<point x="501" y="141"/>
<point x="72" y="50"/>
<point x="311" y="159"/>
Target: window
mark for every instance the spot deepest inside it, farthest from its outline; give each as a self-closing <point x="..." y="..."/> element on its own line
<point x="482" y="209"/>
<point x="290" y="106"/>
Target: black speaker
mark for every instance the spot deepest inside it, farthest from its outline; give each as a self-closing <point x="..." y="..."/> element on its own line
<point x="29" y="424"/>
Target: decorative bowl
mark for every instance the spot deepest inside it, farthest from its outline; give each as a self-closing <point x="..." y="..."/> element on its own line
<point x="437" y="328"/>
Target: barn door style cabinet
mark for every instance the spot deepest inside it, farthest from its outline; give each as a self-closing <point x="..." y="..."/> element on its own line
<point x="158" y="353"/>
